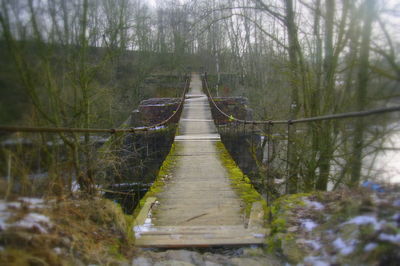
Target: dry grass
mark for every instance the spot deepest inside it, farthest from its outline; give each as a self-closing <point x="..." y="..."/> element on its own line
<point x="82" y="232"/>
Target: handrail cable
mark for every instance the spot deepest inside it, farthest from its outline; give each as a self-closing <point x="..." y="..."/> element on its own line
<point x="101" y="130"/>
<point x="301" y="120"/>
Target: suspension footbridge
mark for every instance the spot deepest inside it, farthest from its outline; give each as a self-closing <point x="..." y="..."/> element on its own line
<point x="198" y="206"/>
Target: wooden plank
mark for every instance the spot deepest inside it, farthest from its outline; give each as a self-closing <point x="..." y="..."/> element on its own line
<point x="200" y="236"/>
<point x="233" y="229"/>
<point x="256" y="219"/>
<point x="181" y="240"/>
<point x="141" y="218"/>
<point x="198" y="137"/>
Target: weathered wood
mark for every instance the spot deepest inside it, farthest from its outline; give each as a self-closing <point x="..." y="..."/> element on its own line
<point x="200" y="236"/>
<point x="217" y="229"/>
<point x="141" y="218"/>
<point x="256" y="219"/>
<point x="198" y="137"/>
<point x="198" y="206"/>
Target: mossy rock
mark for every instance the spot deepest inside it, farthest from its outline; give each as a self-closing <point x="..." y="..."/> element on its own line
<point x="280" y="216"/>
<point x="293" y="251"/>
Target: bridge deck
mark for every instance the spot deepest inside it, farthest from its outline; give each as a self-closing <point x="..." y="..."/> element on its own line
<point x="198" y="206"/>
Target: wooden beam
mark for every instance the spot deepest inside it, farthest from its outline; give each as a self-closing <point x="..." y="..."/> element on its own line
<point x="141" y="217"/>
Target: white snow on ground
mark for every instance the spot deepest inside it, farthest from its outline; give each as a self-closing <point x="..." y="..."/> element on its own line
<point x="395" y="239"/>
<point x="365" y="219"/>
<point x="75" y="186"/>
<point x="33" y="201"/>
<point x="57" y="250"/>
<point x="370" y="246"/>
<point x="146" y="227"/>
<point x="34" y="220"/>
<point x="343" y="247"/>
<point x="313" y="204"/>
<point x="151" y="128"/>
<point x="14" y="205"/>
<point x="308" y="224"/>
<point x="396" y="203"/>
<point x="3" y="218"/>
<point x="3" y="205"/>
<point x="316" y="261"/>
<point x="329" y="247"/>
<point x="30" y="220"/>
<point x="314" y="244"/>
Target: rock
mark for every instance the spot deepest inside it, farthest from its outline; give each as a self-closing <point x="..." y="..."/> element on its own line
<point x="210" y="263"/>
<point x="214" y="259"/>
<point x="184" y="255"/>
<point x="253" y="252"/>
<point x="173" y="263"/>
<point x="249" y="261"/>
<point x="292" y="250"/>
<point x="141" y="261"/>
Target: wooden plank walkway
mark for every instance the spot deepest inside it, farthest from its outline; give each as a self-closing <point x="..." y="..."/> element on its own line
<point x="198" y="206"/>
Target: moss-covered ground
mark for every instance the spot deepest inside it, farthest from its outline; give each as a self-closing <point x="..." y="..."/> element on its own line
<point x="65" y="232"/>
<point x="344" y="227"/>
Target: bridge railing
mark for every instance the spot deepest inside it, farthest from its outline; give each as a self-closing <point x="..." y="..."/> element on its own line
<point x="308" y="153"/>
<point x="60" y="160"/>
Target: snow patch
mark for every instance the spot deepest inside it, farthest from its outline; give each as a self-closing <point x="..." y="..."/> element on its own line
<point x="33" y="201"/>
<point x="315" y="261"/>
<point x="150" y="128"/>
<point x="308" y="224"/>
<point x="57" y="250"/>
<point x="146" y="227"/>
<point x="3" y="218"/>
<point x="314" y="244"/>
<point x="5" y="213"/>
<point x="34" y="220"/>
<point x="396" y="203"/>
<point x="3" y="206"/>
<point x="395" y="239"/>
<point x="15" y="205"/>
<point x="75" y="186"/>
<point x="313" y="204"/>
<point x="343" y="247"/>
<point x="365" y="219"/>
<point x="370" y="246"/>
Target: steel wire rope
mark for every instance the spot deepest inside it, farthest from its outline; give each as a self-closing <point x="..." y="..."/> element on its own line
<point x="231" y="118"/>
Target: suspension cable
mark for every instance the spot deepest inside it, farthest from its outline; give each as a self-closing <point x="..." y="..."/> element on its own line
<point x="301" y="120"/>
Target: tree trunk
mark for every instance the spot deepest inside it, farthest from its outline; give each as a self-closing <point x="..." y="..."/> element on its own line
<point x="326" y="145"/>
<point x="294" y="83"/>
<point x="361" y="93"/>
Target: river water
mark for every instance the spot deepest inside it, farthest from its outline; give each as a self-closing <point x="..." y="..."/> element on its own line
<point x="384" y="165"/>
